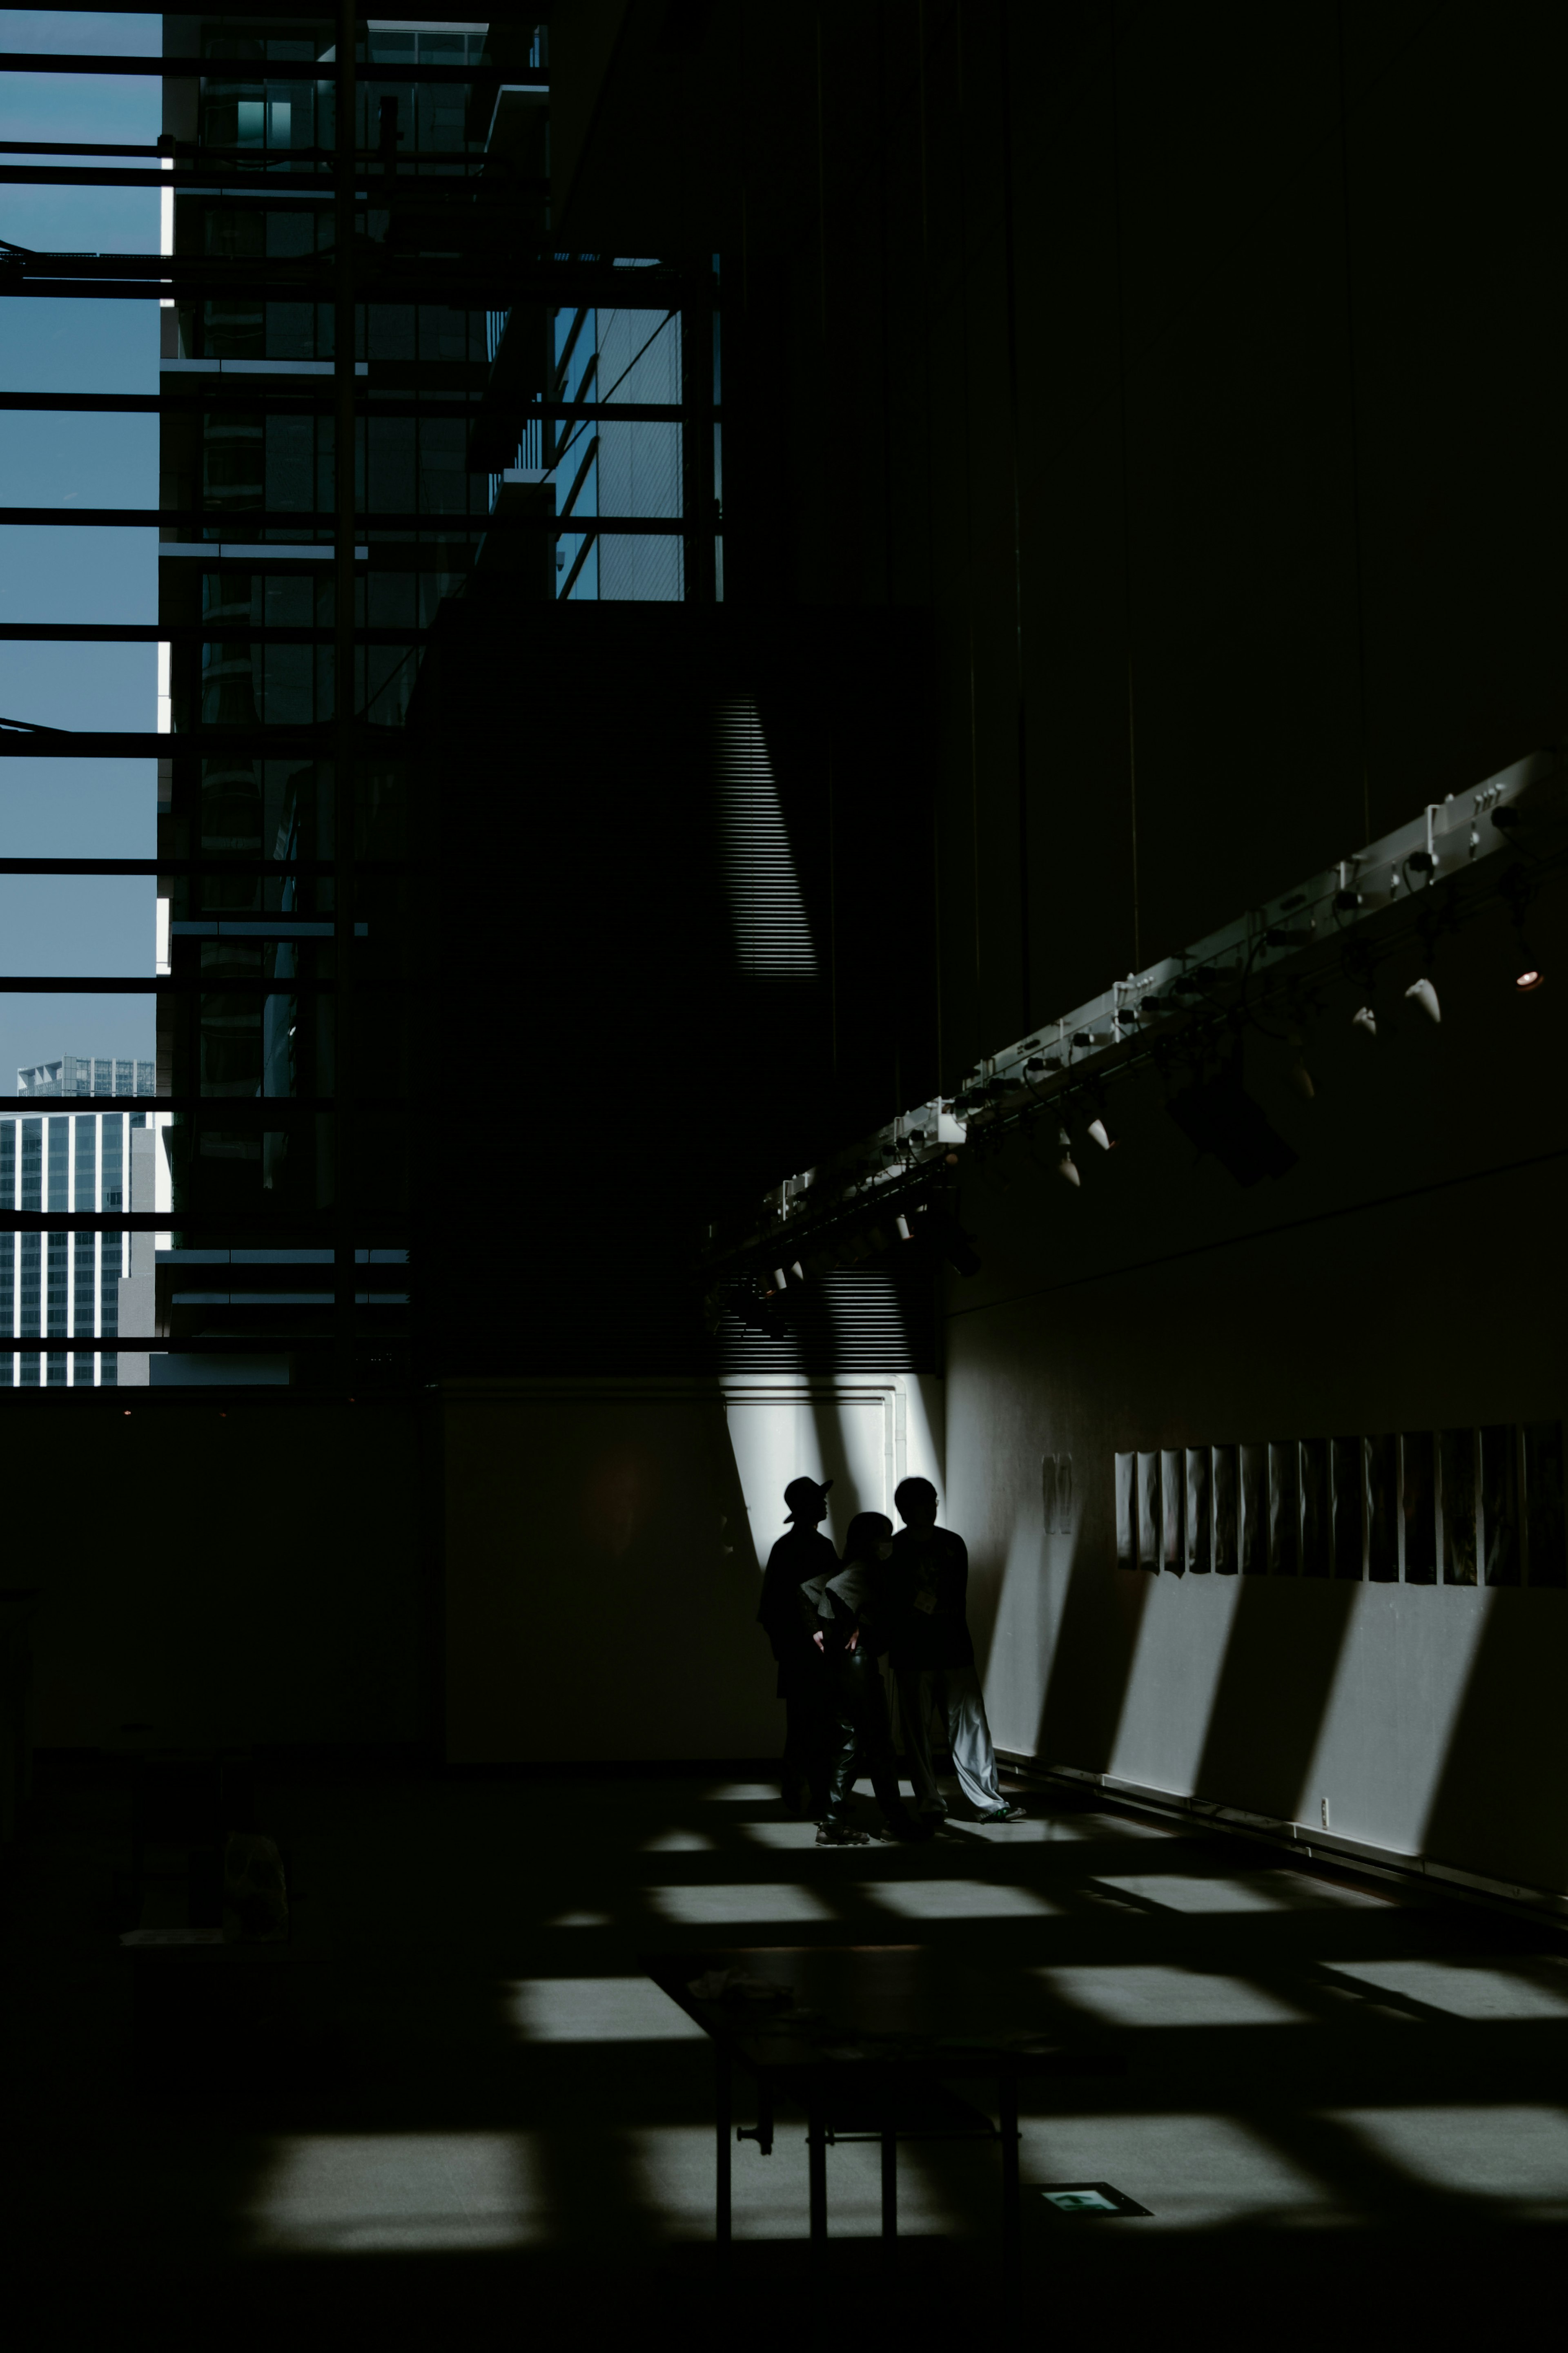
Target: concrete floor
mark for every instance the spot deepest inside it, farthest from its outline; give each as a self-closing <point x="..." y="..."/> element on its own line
<point x="1345" y="2104"/>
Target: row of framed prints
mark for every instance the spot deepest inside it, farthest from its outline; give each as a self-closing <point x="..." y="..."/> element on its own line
<point x="1422" y="1507"/>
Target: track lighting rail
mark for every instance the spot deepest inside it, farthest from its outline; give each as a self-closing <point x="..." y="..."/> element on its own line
<point x="1377" y="898"/>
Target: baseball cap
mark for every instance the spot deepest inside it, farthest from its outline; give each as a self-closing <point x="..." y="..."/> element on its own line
<point x="804" y="1494"/>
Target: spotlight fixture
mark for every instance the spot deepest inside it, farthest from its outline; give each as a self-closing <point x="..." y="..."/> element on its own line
<point x="1102" y="1134"/>
<point x="1365" y="1019"/>
<point x="1423" y="994"/>
<point x="1065" y="1167"/>
<point x="1530" y="977"/>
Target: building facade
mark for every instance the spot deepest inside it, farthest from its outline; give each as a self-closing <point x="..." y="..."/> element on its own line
<point x="60" y="1286"/>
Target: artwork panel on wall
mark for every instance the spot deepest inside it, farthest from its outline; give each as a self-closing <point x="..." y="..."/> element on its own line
<point x="1383" y="1508"/>
<point x="1349" y="1506"/>
<point x="1255" y="1511"/>
<point x="1456" y="1504"/>
<point x="1227" y="1510"/>
<point x="1543" y="1522"/>
<point x="1498" y="1538"/>
<point x="1418" y="1507"/>
<point x="1148" y="1512"/>
<point x="1126" y="1480"/>
<point x="1199" y="1551"/>
<point x="1173" y="1496"/>
<point x="1284" y="1507"/>
<point x="1316" y="1529"/>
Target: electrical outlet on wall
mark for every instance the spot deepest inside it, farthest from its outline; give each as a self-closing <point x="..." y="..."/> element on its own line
<point x="1323" y="1809"/>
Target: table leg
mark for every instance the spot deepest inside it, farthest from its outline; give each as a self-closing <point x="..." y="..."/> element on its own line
<point x="816" y="2162"/>
<point x="722" y="2149"/>
<point x="1010" y="2214"/>
<point x="889" y="2191"/>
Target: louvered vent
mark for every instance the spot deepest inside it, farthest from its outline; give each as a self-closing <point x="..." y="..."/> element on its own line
<point x="772" y="937"/>
<point x="856" y="1320"/>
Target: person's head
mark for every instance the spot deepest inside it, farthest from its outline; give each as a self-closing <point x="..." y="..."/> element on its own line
<point x="807" y="1502"/>
<point x="916" y="1499"/>
<point x="869" y="1537"/>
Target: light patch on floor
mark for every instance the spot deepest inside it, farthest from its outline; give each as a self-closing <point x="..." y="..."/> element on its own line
<point x="699" y="1906"/>
<point x="677" y="1842"/>
<point x="373" y="2193"/>
<point x="1516" y="2153"/>
<point x="1148" y="1994"/>
<point x="1260" y="1891"/>
<point x="1465" y="1989"/>
<point x="1192" y="2172"/>
<point x="742" y="1793"/>
<point x="581" y="1920"/>
<point x="596" y="2009"/>
<point x="956" y="1899"/>
<point x="673" y="2167"/>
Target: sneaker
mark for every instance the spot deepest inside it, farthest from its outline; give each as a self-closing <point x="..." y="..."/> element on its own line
<point x="1005" y="1812"/>
<point x="840" y="1834"/>
<point x="905" y="1826"/>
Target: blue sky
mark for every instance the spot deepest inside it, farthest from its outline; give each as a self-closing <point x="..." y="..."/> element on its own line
<point x="72" y="808"/>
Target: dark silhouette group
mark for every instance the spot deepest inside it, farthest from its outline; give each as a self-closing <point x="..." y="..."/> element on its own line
<point x="831" y="1620"/>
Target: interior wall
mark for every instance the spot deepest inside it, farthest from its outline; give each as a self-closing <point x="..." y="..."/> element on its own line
<point x="605" y="1545"/>
<point x="1410" y="1273"/>
<point x="1203" y="391"/>
<point x="232" y="1574"/>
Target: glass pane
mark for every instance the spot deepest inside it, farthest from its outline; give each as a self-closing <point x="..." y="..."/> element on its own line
<point x="1499" y="1503"/>
<point x="1349" y="1506"/>
<point x="1418" y="1501"/>
<point x="1456" y="1489"/>
<point x="1284" y="1508"/>
<point x="1544" y="1502"/>
<point x="1317" y="1526"/>
<point x="1382" y="1517"/>
<point x="1199" y="1535"/>
<point x="1255" y="1511"/>
<point x="1226" y="1506"/>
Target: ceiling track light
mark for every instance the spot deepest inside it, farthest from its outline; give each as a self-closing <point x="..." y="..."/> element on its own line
<point x="1422" y="993"/>
<point x="1065" y="1165"/>
<point x="1365" y="1019"/>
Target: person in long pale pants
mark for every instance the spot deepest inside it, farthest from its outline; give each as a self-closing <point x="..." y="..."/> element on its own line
<point x="933" y="1658"/>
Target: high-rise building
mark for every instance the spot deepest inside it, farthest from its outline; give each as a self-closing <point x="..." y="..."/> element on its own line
<point x="88" y="1074"/>
<point x="60" y="1286"/>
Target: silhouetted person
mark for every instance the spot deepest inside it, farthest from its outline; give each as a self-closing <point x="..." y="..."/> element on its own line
<point x="803" y="1669"/>
<point x="933" y="1658"/>
<point x="848" y="1619"/>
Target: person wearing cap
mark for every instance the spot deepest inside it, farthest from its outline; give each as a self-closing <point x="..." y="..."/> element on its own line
<point x="933" y="1658"/>
<point x="803" y="1678"/>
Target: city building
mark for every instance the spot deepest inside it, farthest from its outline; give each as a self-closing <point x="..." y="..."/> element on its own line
<point x="82" y="1074"/>
<point x="65" y="1286"/>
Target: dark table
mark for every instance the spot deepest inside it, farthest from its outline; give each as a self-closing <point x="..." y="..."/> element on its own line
<point x="852" y="2037"/>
